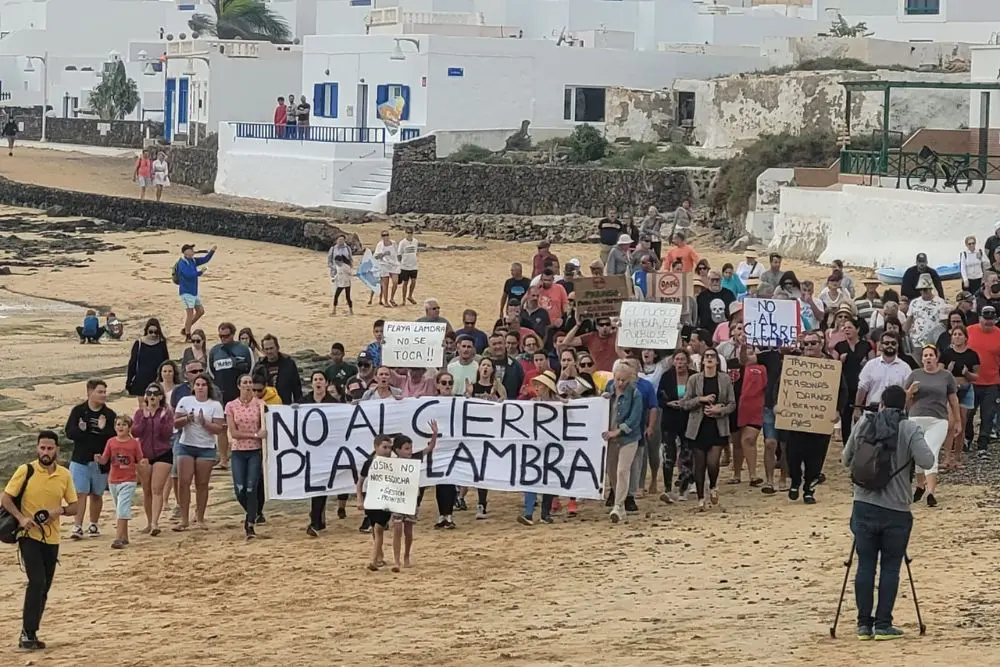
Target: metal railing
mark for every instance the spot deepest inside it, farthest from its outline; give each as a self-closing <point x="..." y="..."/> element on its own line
<point x="323" y="133"/>
<point x="898" y="164"/>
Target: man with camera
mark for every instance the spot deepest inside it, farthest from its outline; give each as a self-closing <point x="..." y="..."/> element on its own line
<point x="42" y="487"/>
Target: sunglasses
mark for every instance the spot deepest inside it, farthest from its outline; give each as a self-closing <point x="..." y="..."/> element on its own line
<point x="810" y="343"/>
<point x="445" y="383"/>
<point x="196" y="371"/>
<point x="153" y="393"/>
<point x="197" y="341"/>
<point x="385" y="236"/>
<point x="586" y="364"/>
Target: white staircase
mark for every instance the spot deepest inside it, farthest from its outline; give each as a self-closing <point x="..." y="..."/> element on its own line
<point x="367" y="192"/>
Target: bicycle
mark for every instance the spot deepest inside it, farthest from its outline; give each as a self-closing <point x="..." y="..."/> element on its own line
<point x="962" y="178"/>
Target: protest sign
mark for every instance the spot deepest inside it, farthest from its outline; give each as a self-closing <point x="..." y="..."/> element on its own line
<point x="649" y="325"/>
<point x="771" y="322"/>
<point x="318" y="450"/>
<point x="599" y="296"/>
<point x="671" y="287"/>
<point x="393" y="485"/>
<point x="413" y="344"/>
<point x="807" y="394"/>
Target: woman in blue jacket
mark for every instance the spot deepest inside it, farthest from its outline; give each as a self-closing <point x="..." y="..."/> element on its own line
<point x="626" y="430"/>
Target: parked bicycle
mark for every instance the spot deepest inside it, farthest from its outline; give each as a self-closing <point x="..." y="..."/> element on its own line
<point x="962" y="178"/>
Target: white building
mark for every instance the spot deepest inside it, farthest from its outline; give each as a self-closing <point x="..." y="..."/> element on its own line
<point x="973" y="21"/>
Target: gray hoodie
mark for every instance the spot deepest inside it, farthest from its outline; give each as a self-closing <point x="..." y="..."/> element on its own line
<point x="618" y="262"/>
<point x="910" y="445"/>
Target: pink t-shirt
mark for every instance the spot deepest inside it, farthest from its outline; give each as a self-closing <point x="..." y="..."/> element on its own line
<point x="554" y="301"/>
<point x="246" y="418"/>
<point x="145" y="167"/>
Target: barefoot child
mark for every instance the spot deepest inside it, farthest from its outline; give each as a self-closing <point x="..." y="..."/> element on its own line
<point x="379" y="519"/>
<point x="124" y="453"/>
<point x="402" y="524"/>
<point x="342" y="275"/>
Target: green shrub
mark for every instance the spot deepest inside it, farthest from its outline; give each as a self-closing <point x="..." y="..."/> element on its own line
<point x="586" y="144"/>
<point x="470" y="153"/>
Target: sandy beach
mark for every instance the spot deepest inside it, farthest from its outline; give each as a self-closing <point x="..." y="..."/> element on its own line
<point x="755" y="582"/>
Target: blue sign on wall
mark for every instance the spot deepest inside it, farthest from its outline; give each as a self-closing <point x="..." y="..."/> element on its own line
<point x="185" y="8"/>
<point x="456" y="71"/>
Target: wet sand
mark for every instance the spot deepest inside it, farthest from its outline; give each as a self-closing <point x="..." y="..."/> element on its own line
<point x="752" y="582"/>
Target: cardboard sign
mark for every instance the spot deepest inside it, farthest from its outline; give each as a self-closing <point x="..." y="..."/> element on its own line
<point x="393" y="485"/>
<point x="771" y="322"/>
<point x="599" y="296"/>
<point x="413" y="344"/>
<point x="671" y="287"/>
<point x="649" y="325"/>
<point x="807" y="395"/>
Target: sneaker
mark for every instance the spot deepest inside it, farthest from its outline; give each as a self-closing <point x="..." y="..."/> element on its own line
<point x="311" y="532"/>
<point x="793" y="493"/>
<point x="864" y="633"/>
<point x="883" y="634"/>
<point x="548" y="519"/>
<point x="481" y="512"/>
<point x="821" y="478"/>
<point x="931" y="500"/>
<point x="571" y="508"/>
<point x="525" y="521"/>
<point x="341" y="513"/>
<point x="918" y="493"/>
<point x="630" y="505"/>
<point x="29" y="642"/>
<point x="449" y="523"/>
<point x="441" y="522"/>
<point x="617" y="514"/>
<point x="77" y="533"/>
<point x="250" y="532"/>
<point x="808" y="498"/>
<point x="461" y="505"/>
<point x="366" y="526"/>
<point x="982" y="453"/>
<point x="93" y="530"/>
<point x="260" y="519"/>
<point x="667" y="498"/>
<point x="610" y="501"/>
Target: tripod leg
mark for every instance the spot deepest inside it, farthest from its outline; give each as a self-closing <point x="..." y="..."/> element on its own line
<point x="913" y="590"/>
<point x="843" y="588"/>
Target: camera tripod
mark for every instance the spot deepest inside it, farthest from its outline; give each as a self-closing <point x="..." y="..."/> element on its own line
<point x="847" y="573"/>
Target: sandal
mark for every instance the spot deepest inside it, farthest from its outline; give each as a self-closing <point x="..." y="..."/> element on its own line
<point x="220" y="466"/>
<point x="756" y="482"/>
<point x="373" y="567"/>
<point x="768" y="489"/>
<point x="735" y="480"/>
<point x="179" y="529"/>
<point x="155" y="532"/>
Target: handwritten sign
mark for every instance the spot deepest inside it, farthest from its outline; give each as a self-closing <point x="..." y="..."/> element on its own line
<point x="413" y="344"/>
<point x="807" y="395"/>
<point x="599" y="296"/>
<point x="649" y="325"/>
<point x="671" y="287"/>
<point x="771" y="322"/>
<point x="393" y="485"/>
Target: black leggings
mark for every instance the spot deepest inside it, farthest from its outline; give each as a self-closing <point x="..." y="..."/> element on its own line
<point x="706" y="461"/>
<point x="347" y="295"/>
<point x="316" y="508"/>
<point x="39" y="561"/>
<point x="445" y="495"/>
<point x="806" y="450"/>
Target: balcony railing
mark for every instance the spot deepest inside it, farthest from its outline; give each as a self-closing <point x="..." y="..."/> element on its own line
<point x="324" y="133"/>
<point x="395" y="15"/>
<point x="898" y="164"/>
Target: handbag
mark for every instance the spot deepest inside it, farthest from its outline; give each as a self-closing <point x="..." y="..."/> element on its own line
<point x="9" y="525"/>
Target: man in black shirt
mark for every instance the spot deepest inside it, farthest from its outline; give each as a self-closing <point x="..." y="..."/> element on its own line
<point x="515" y="287"/>
<point x="508" y="370"/>
<point x="713" y="303"/>
<point x="909" y="286"/>
<point x="280" y="370"/>
<point x="609" y="229"/>
<point x="533" y="316"/>
<point x="89" y="426"/>
<point x="993" y="242"/>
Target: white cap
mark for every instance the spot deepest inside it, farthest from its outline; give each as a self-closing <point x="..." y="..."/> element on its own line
<point x="625" y="239"/>
<point x="575" y="262"/>
<point x="996" y="225"/>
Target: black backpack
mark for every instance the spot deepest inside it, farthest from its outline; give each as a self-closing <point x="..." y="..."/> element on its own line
<point x="174" y="276"/>
<point x="871" y="467"/>
<point x="9" y="527"/>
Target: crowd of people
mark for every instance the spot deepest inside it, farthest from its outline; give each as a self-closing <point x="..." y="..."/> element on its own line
<point x="687" y="414"/>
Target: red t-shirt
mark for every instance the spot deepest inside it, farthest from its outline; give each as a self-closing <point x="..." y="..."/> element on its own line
<point x="280" y="114"/>
<point x="987" y="346"/>
<point x="750" y="411"/>
<point x="603" y="350"/>
<point x="123" y="455"/>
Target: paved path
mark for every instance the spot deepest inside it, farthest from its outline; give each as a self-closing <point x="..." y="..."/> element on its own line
<point x="99" y="151"/>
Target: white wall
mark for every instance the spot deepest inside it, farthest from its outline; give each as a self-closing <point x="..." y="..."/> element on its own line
<point x="338" y="17"/>
<point x="879" y="227"/>
<point x="985" y="69"/>
<point x="246" y="89"/>
<point x="304" y="173"/>
<point x="959" y="20"/>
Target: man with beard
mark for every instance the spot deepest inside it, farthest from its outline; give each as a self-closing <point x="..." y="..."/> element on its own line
<point x="909" y="287"/>
<point x="984" y="339"/>
<point x="37" y="514"/>
<point x="507" y="370"/>
<point x="881" y="372"/>
<point x="713" y="303"/>
<point x="281" y="371"/>
<point x="808" y="450"/>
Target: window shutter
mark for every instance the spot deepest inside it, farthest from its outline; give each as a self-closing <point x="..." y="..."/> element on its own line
<point x="381" y="97"/>
<point x="332" y="105"/>
<point x="405" y="91"/>
<point x="318" y="108"/>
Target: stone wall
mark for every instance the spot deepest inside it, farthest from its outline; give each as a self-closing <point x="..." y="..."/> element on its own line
<point x="639" y="115"/>
<point x="421" y="184"/>
<point x="194" y="166"/>
<point x="88" y="131"/>
<point x="135" y="214"/>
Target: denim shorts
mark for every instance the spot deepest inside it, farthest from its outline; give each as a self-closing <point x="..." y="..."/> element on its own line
<point x="123" y="493"/>
<point x="190" y="300"/>
<point x="770" y="430"/>
<point x="196" y="452"/>
<point x="88" y="478"/>
<point x="967" y="398"/>
<point x="175" y="442"/>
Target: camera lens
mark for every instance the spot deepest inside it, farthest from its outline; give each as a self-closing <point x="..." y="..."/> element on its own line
<point x="41" y="516"/>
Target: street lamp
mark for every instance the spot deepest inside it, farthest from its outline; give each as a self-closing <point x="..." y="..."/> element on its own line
<point x="44" y="59"/>
<point x="397" y="51"/>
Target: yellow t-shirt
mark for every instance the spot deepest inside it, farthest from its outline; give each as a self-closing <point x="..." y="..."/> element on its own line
<point x="45" y="490"/>
<point x="601" y="379"/>
<point x="270" y="396"/>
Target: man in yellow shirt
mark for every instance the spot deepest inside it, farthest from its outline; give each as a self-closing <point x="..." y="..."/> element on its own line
<point x="42" y="497"/>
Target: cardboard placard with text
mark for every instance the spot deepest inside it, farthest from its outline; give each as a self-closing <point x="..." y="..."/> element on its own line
<point x="670" y="287"/>
<point x="599" y="296"/>
<point x="807" y="394"/>
<point x="772" y="322"/>
<point x="414" y="344"/>
<point x="393" y="485"/>
<point x="647" y="325"/>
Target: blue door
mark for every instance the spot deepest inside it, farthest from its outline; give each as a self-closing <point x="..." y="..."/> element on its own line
<point x="168" y="110"/>
<point x="182" y="102"/>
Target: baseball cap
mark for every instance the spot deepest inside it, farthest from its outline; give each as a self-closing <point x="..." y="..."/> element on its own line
<point x="963" y="296"/>
<point x="575" y="262"/>
<point x="921" y="257"/>
<point x="187" y="246"/>
<point x="988" y="313"/>
<point x="514" y="301"/>
<point x="355" y="388"/>
<point x="364" y="356"/>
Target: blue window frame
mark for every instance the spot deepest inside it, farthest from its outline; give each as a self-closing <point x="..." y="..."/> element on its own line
<point x="325" y="99"/>
<point x="389" y="91"/>
<point x="182" y="100"/>
<point x="923" y="7"/>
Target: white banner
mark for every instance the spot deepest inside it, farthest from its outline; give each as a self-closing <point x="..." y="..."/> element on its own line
<point x="318" y="450"/>
<point x="413" y="344"/>
<point x="649" y="325"/>
<point x="771" y="322"/>
<point x="393" y="485"/>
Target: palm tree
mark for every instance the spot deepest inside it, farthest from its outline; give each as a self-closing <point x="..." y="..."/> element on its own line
<point x="242" y="19"/>
<point x="116" y="96"/>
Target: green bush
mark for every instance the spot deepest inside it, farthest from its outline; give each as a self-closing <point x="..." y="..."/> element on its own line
<point x="649" y="156"/>
<point x="470" y="153"/>
<point x="586" y="144"/>
<point x="738" y="176"/>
